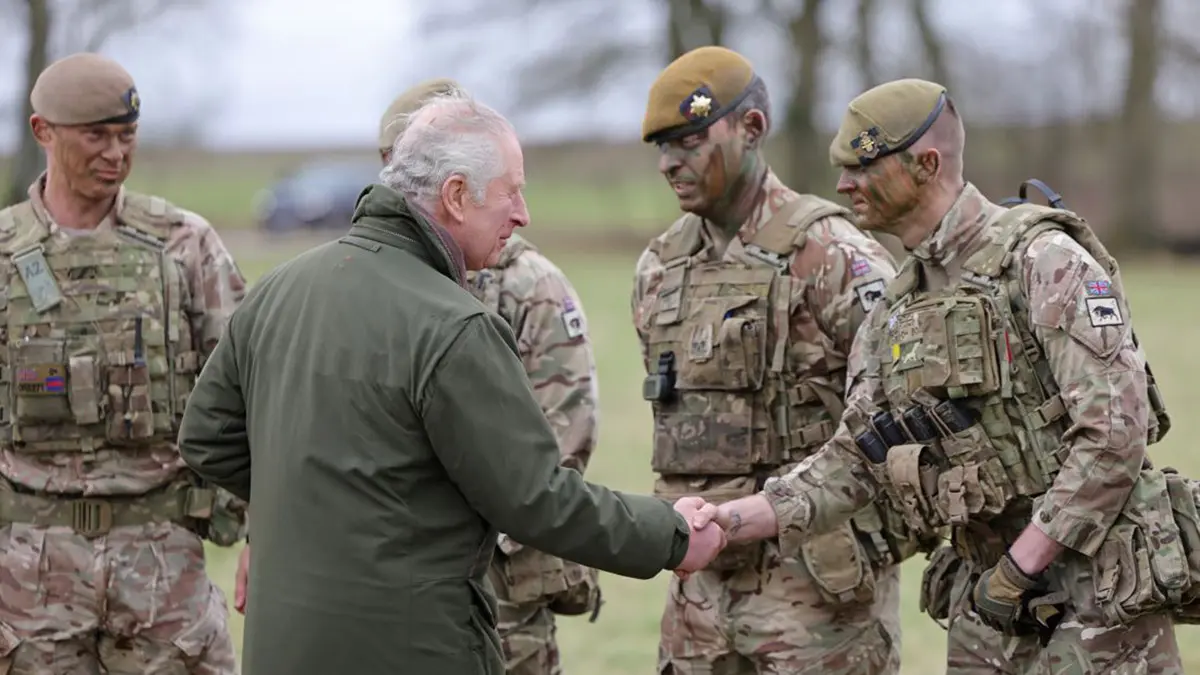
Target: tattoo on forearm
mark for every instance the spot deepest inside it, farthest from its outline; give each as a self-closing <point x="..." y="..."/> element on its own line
<point x="735" y="522"/>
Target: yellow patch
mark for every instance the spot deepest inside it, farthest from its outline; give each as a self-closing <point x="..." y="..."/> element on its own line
<point x="895" y="353"/>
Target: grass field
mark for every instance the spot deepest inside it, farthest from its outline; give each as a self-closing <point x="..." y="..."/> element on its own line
<point x="623" y="640"/>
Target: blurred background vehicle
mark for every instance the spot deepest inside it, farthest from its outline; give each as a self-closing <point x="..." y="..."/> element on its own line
<point x="316" y="195"/>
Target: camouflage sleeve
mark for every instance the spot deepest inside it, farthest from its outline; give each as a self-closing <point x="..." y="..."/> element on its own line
<point x="554" y="346"/>
<point x="845" y="273"/>
<point x="217" y="288"/>
<point x="216" y="283"/>
<point x="647" y="276"/>
<point x="552" y="340"/>
<point x="829" y="487"/>
<point x="1081" y="322"/>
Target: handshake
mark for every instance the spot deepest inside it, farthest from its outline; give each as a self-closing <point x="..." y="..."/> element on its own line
<point x="706" y="523"/>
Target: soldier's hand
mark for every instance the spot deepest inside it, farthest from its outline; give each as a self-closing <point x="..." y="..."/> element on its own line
<point x="241" y="579"/>
<point x="1000" y="595"/>
<point x="706" y="539"/>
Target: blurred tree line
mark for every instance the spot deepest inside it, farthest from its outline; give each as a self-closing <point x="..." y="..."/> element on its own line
<point x="1038" y="112"/>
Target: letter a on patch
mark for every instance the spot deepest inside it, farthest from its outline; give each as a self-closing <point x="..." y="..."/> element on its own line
<point x="1104" y="312"/>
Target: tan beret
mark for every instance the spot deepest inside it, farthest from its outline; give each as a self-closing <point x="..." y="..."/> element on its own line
<point x="390" y="127"/>
<point x="695" y="91"/>
<point x="85" y="88"/>
<point x="886" y="119"/>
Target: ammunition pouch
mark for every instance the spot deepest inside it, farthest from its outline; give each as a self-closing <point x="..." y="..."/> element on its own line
<point x="1147" y="562"/>
<point x="839" y="565"/>
<point x="179" y="503"/>
<point x="582" y="594"/>
<point x="937" y="582"/>
<point x="531" y="575"/>
<point x="227" y="524"/>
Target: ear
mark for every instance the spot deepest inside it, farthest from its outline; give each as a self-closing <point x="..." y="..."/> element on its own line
<point x="454" y="197"/>
<point x="386" y="156"/>
<point x="42" y="132"/>
<point x="755" y="124"/>
<point x="928" y="166"/>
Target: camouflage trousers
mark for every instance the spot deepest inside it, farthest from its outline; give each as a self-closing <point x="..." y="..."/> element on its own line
<point x="527" y="633"/>
<point x="137" y="600"/>
<point x="1077" y="647"/>
<point x="771" y="619"/>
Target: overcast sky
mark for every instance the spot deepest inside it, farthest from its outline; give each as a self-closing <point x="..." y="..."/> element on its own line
<point x="314" y="72"/>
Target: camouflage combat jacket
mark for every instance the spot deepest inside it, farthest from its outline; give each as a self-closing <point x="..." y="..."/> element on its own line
<point x="535" y="298"/>
<point x="746" y="354"/>
<point x="105" y="332"/>
<point x="1000" y="384"/>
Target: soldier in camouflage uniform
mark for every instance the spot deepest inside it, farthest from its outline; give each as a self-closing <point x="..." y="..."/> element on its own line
<point x="998" y="391"/>
<point x="745" y="309"/>
<point x="112" y="301"/>
<point x="534" y="297"/>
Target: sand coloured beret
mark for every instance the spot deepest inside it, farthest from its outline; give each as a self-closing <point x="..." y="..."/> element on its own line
<point x="85" y="88"/>
<point x="694" y="91"/>
<point x="886" y="119"/>
<point x="408" y="102"/>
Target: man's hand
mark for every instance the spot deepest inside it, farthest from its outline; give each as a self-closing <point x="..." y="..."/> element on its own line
<point x="706" y="540"/>
<point x="1000" y="594"/>
<point x="241" y="579"/>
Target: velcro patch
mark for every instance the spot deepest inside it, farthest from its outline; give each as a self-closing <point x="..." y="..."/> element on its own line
<point x="1103" y="311"/>
<point x="572" y="319"/>
<point x="859" y="267"/>
<point x="870" y="293"/>
<point x="41" y="379"/>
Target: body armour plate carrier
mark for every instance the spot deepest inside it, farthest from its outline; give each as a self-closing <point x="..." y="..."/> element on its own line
<point x="729" y="409"/>
<point x="974" y="424"/>
<point x="98" y="345"/>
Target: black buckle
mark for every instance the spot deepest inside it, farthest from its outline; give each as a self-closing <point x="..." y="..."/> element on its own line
<point x="91" y="517"/>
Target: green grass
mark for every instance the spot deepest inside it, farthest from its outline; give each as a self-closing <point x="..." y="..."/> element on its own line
<point x="624" y="639"/>
<point x="222" y="188"/>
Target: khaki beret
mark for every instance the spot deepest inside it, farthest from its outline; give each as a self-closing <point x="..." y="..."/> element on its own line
<point x="85" y="88"/>
<point x="407" y="103"/>
<point x="694" y="91"/>
<point x="886" y="119"/>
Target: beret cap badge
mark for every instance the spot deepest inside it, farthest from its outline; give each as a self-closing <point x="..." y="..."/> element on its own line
<point x="867" y="144"/>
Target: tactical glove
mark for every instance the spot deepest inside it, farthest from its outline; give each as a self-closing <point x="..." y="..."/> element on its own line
<point x="1001" y="594"/>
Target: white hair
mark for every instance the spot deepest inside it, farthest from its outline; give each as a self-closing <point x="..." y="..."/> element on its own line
<point x="450" y="134"/>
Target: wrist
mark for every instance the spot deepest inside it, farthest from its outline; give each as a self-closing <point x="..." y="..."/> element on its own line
<point x="1018" y="576"/>
<point x="680" y="541"/>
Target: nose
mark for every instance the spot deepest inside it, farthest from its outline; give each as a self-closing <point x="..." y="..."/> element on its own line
<point x="114" y="150"/>
<point x="520" y="217"/>
<point x="845" y="184"/>
<point x="668" y="163"/>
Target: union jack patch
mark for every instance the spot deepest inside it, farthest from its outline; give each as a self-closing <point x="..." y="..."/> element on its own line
<point x="859" y="267"/>
<point x="1101" y="287"/>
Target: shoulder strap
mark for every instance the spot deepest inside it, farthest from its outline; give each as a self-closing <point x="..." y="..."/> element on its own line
<point x="788" y="229"/>
<point x="906" y="280"/>
<point x="148" y="216"/>
<point x="681" y="241"/>
<point x="20" y="228"/>
<point x="1019" y="225"/>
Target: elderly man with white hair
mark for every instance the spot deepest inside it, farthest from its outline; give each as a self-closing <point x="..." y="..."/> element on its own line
<point x="395" y="431"/>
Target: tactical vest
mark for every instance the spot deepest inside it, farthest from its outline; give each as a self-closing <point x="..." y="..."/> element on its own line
<point x="727" y="400"/>
<point x="99" y="346"/>
<point x="530" y="576"/>
<point x="974" y="422"/>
